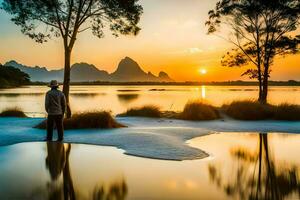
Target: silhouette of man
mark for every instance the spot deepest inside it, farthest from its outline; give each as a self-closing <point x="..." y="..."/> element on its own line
<point x="55" y="105"/>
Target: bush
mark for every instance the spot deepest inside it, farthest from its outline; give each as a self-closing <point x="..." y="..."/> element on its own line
<point x="144" y="111"/>
<point x="287" y="112"/>
<point x="12" y="112"/>
<point x="249" y="110"/>
<point x="197" y="110"/>
<point x="88" y="120"/>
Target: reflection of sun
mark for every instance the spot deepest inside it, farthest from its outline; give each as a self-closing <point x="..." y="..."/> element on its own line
<point x="203" y="71"/>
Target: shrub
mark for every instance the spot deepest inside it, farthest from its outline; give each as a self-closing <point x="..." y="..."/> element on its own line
<point x="144" y="111"/>
<point x="197" y="110"/>
<point x="12" y="112"/>
<point x="88" y="120"/>
<point x="287" y="112"/>
<point x="248" y="110"/>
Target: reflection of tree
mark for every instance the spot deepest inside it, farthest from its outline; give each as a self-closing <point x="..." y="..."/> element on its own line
<point x="116" y="191"/>
<point x="57" y="162"/>
<point x="127" y="98"/>
<point x="258" y="175"/>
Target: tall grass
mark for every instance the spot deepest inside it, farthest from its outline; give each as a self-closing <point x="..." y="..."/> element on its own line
<point x="12" y="112"/>
<point x="88" y="120"/>
<point x="197" y="110"/>
<point x="253" y="110"/>
<point x="144" y="111"/>
<point x="248" y="110"/>
<point x="287" y="111"/>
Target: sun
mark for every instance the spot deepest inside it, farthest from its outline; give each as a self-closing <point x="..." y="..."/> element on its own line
<point x="202" y="71"/>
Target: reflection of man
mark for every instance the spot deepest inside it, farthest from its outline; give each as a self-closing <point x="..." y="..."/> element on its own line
<point x="55" y="105"/>
<point x="57" y="163"/>
<point x="56" y="159"/>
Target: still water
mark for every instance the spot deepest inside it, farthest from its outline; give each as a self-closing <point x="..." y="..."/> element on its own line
<point x="119" y="98"/>
<point x="240" y="166"/>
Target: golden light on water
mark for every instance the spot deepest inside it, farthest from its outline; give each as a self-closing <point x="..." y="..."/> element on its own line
<point x="203" y="92"/>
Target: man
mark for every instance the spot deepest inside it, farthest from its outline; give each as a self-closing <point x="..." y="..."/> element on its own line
<point x="55" y="104"/>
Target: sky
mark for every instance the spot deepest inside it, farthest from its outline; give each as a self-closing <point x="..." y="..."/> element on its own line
<point x="173" y="39"/>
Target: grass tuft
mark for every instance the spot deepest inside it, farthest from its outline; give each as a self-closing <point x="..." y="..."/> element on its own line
<point x="144" y="111"/>
<point x="248" y="110"/>
<point x="88" y="120"/>
<point x="197" y="111"/>
<point x="289" y="112"/>
<point x="12" y="112"/>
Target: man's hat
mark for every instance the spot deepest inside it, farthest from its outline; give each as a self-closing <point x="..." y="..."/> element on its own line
<point x="53" y="83"/>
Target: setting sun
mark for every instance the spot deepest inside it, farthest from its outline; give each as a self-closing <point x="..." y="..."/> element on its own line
<point x="203" y="71"/>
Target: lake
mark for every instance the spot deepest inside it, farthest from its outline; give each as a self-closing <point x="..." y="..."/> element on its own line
<point x="239" y="166"/>
<point x="119" y="98"/>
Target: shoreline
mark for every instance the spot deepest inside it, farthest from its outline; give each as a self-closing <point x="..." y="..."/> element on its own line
<point x="183" y="83"/>
<point x="158" y="139"/>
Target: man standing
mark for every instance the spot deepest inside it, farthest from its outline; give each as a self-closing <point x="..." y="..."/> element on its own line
<point x="55" y="104"/>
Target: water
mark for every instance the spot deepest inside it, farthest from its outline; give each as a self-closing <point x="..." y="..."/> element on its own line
<point x="119" y="98"/>
<point x="240" y="166"/>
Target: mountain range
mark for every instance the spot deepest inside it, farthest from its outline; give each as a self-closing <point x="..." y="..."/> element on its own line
<point x="127" y="71"/>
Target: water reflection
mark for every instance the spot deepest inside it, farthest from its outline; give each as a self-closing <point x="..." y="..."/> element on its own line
<point x="87" y="95"/>
<point x="57" y="162"/>
<point x="257" y="174"/>
<point x="58" y="165"/>
<point x="203" y="92"/>
<point x="14" y="95"/>
<point x="127" y="98"/>
<point x="83" y="98"/>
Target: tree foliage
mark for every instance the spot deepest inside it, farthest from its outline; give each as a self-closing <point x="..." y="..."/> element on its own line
<point x="260" y="30"/>
<point x="12" y="77"/>
<point x="44" y="19"/>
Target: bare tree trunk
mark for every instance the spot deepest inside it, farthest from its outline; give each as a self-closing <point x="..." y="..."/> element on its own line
<point x="265" y="91"/>
<point x="260" y="95"/>
<point x="265" y="85"/>
<point x="66" y="86"/>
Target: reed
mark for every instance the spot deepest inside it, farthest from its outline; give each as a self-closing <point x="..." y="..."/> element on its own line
<point x="144" y="111"/>
<point x="198" y="111"/>
<point x="88" y="120"/>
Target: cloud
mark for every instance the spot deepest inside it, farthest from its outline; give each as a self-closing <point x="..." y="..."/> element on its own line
<point x="192" y="50"/>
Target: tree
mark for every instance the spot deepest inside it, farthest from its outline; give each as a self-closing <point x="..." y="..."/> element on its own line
<point x="260" y="30"/>
<point x="43" y="19"/>
<point x="12" y="77"/>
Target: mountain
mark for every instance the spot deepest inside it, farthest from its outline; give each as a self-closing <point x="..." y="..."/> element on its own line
<point x="127" y="71"/>
<point x="163" y="76"/>
<point x="37" y="73"/>
<point x="84" y="72"/>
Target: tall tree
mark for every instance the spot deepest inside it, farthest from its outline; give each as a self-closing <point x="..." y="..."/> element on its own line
<point x="44" y="19"/>
<point x="260" y="30"/>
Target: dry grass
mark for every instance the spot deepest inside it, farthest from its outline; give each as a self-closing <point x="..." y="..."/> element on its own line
<point x="88" y="120"/>
<point x="12" y="112"/>
<point x="248" y="110"/>
<point x="197" y="110"/>
<point x="144" y="111"/>
<point x="287" y="111"/>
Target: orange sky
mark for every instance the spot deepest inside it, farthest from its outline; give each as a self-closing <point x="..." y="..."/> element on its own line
<point x="173" y="39"/>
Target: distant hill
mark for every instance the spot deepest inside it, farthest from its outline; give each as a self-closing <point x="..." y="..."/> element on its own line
<point x="37" y="73"/>
<point x="12" y="77"/>
<point x="81" y="72"/>
<point x="127" y="71"/>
